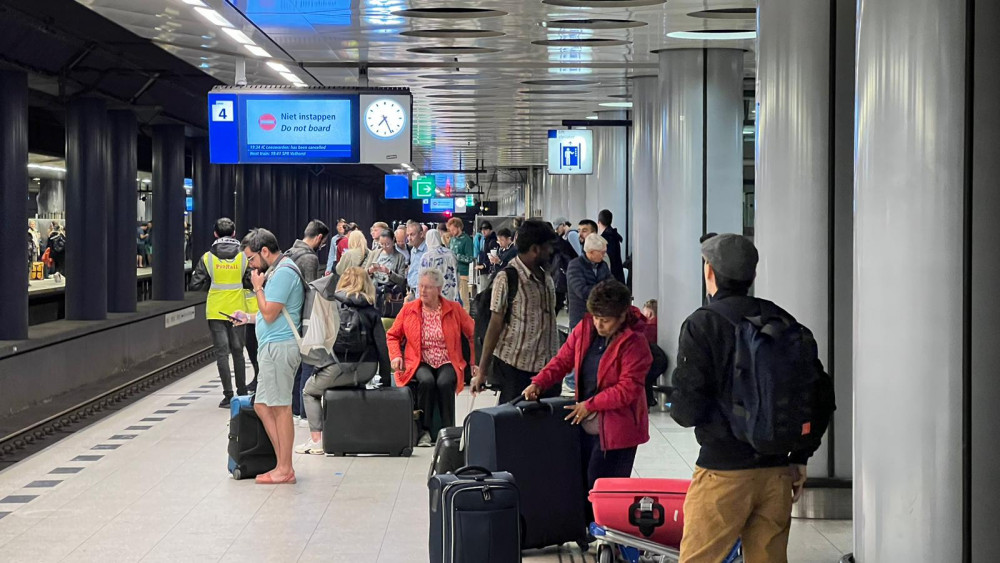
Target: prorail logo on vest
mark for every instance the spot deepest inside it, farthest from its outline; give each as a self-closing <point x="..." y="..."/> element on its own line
<point x="224" y="266"/>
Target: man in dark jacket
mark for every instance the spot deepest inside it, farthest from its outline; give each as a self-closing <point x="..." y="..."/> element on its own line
<point x="729" y="472"/>
<point x="562" y="255"/>
<point x="583" y="274"/>
<point x="614" y="239"/>
<point x="489" y="244"/>
<point x="305" y="252"/>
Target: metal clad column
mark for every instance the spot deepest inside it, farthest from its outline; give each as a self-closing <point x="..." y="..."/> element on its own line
<point x="792" y="210"/>
<point x="576" y="195"/>
<point x="610" y="170"/>
<point x="908" y="298"/>
<point x="202" y="222"/>
<point x="168" y="213"/>
<point x="646" y="104"/>
<point x="724" y="140"/>
<point x="123" y="133"/>
<point x="86" y="211"/>
<point x="13" y="204"/>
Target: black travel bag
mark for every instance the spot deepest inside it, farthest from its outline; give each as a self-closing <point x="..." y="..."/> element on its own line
<point x="250" y="450"/>
<point x="447" y="452"/>
<point x="474" y="517"/>
<point x="368" y="421"/>
<point x="531" y="440"/>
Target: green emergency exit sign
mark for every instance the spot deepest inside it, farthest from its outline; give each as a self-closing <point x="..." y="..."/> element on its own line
<point x="423" y="187"/>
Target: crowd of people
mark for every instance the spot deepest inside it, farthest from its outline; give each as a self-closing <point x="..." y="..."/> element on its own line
<point x="410" y="292"/>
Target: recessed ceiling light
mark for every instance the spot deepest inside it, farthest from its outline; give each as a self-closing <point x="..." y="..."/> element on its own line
<point x="552" y="92"/>
<point x="616" y="105"/>
<point x="726" y="14"/>
<point x="194" y="3"/>
<point x="714" y="34"/>
<point x="455" y="86"/>
<point x="592" y="117"/>
<point x="238" y="35"/>
<point x="213" y="16"/>
<point x="278" y="66"/>
<point x="450" y="13"/>
<point x="257" y="51"/>
<point x="453" y="50"/>
<point x="290" y="77"/>
<point x="558" y="82"/>
<point x="453" y="33"/>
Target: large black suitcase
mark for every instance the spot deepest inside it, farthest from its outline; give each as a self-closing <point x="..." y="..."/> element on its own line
<point x="474" y="517"/>
<point x="250" y="450"/>
<point x="531" y="440"/>
<point x="447" y="452"/>
<point x="368" y="421"/>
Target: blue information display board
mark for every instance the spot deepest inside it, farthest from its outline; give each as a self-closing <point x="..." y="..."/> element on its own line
<point x="397" y="186"/>
<point x="439" y="205"/>
<point x="283" y="128"/>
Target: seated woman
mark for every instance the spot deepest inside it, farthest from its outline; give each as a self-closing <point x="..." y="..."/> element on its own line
<point x="610" y="356"/>
<point x="359" y="352"/>
<point x="430" y="329"/>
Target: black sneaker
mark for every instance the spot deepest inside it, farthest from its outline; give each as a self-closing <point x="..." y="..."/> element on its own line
<point x="225" y="402"/>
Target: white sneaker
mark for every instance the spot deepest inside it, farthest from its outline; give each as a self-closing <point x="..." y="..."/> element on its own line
<point x="424" y="441"/>
<point x="303" y="423"/>
<point x="310" y="448"/>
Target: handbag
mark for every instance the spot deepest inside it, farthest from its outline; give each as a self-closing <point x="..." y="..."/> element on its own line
<point x="592" y="424"/>
<point x="390" y="301"/>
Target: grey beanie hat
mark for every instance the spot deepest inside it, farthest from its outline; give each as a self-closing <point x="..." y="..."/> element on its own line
<point x="732" y="256"/>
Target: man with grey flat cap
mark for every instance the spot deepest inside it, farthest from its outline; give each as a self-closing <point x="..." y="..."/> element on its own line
<point x="744" y="487"/>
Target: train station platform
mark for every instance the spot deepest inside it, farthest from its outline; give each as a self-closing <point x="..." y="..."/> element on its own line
<point x="148" y="483"/>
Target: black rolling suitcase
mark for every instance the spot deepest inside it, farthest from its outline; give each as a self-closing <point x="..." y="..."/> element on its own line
<point x="474" y="517"/>
<point x="447" y="452"/>
<point x="250" y="450"/>
<point x="531" y="440"/>
<point x="368" y="421"/>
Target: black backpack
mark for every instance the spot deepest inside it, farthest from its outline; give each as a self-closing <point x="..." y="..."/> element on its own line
<point x="782" y="399"/>
<point x="353" y="337"/>
<point x="481" y="311"/>
<point x="58" y="242"/>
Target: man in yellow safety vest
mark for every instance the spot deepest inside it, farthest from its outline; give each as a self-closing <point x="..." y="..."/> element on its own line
<point x="223" y="271"/>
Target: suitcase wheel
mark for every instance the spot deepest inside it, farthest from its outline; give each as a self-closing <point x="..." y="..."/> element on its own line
<point x="605" y="554"/>
<point x="237" y="474"/>
<point x="407" y="452"/>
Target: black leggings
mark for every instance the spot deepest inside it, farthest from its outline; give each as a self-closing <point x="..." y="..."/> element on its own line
<point x="599" y="464"/>
<point x="435" y="387"/>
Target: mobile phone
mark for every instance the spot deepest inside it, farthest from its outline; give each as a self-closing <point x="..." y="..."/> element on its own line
<point x="230" y="317"/>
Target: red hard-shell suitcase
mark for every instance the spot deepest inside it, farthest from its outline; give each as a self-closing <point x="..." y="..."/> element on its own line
<point x="650" y="508"/>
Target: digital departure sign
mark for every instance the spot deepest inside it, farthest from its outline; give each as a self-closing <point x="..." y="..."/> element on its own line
<point x="315" y="126"/>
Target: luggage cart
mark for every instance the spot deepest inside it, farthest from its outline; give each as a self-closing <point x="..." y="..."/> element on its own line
<point x="614" y="546"/>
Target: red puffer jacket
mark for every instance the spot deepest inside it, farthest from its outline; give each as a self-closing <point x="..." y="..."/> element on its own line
<point x="621" y="375"/>
<point x="405" y="338"/>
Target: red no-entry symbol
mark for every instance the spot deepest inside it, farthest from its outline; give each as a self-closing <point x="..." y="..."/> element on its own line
<point x="267" y="122"/>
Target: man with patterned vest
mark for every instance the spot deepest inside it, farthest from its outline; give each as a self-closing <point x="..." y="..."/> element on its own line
<point x="223" y="271"/>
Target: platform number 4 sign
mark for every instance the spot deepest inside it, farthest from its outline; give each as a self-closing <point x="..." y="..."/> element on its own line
<point x="222" y="110"/>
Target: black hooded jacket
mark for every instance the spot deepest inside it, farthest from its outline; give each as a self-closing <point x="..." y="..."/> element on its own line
<point x="373" y="321"/>
<point x="615" y="240"/>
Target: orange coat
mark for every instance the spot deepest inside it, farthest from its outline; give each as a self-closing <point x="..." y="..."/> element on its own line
<point x="407" y="333"/>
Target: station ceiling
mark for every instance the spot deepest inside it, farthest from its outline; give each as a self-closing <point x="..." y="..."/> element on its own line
<point x="489" y="78"/>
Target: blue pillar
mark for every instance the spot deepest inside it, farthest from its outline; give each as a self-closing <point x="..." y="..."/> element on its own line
<point x="13" y="204"/>
<point x="123" y="133"/>
<point x="168" y="212"/>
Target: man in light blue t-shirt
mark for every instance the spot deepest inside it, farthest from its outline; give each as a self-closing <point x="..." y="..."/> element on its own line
<point x="278" y="286"/>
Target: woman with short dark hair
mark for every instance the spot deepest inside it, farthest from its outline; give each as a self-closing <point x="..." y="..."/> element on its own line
<point x="610" y="356"/>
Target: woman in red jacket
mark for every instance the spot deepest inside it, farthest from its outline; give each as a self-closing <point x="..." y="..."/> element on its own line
<point x="609" y="354"/>
<point x="431" y="329"/>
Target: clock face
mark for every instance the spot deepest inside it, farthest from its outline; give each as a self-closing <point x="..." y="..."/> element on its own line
<point x="385" y="118"/>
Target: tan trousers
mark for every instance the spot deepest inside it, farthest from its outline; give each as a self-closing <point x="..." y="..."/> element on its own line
<point x="752" y="504"/>
<point x="463" y="292"/>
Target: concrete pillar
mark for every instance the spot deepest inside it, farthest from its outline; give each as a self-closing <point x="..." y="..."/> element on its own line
<point x="168" y="212"/>
<point x="701" y="183"/>
<point x="86" y="210"/>
<point x="13" y="205"/>
<point x="645" y="224"/>
<point x="606" y="187"/>
<point x="926" y="301"/>
<point x="802" y="200"/>
<point x="123" y="133"/>
<point x="203" y="217"/>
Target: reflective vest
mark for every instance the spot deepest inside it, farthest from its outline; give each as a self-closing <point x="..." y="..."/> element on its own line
<point x="226" y="294"/>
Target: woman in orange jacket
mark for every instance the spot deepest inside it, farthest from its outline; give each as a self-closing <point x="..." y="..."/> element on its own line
<point x="425" y="346"/>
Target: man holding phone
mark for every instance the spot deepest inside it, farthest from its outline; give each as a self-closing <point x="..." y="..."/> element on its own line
<point x="224" y="273"/>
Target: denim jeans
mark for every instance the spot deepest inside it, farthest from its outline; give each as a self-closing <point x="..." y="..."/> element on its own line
<point x="301" y="376"/>
<point x="227" y="340"/>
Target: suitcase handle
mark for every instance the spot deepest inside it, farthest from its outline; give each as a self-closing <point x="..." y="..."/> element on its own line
<point x="482" y="472"/>
<point x="525" y="406"/>
<point x="647" y="515"/>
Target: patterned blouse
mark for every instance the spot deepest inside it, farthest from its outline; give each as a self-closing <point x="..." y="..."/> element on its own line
<point x="433" y="347"/>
